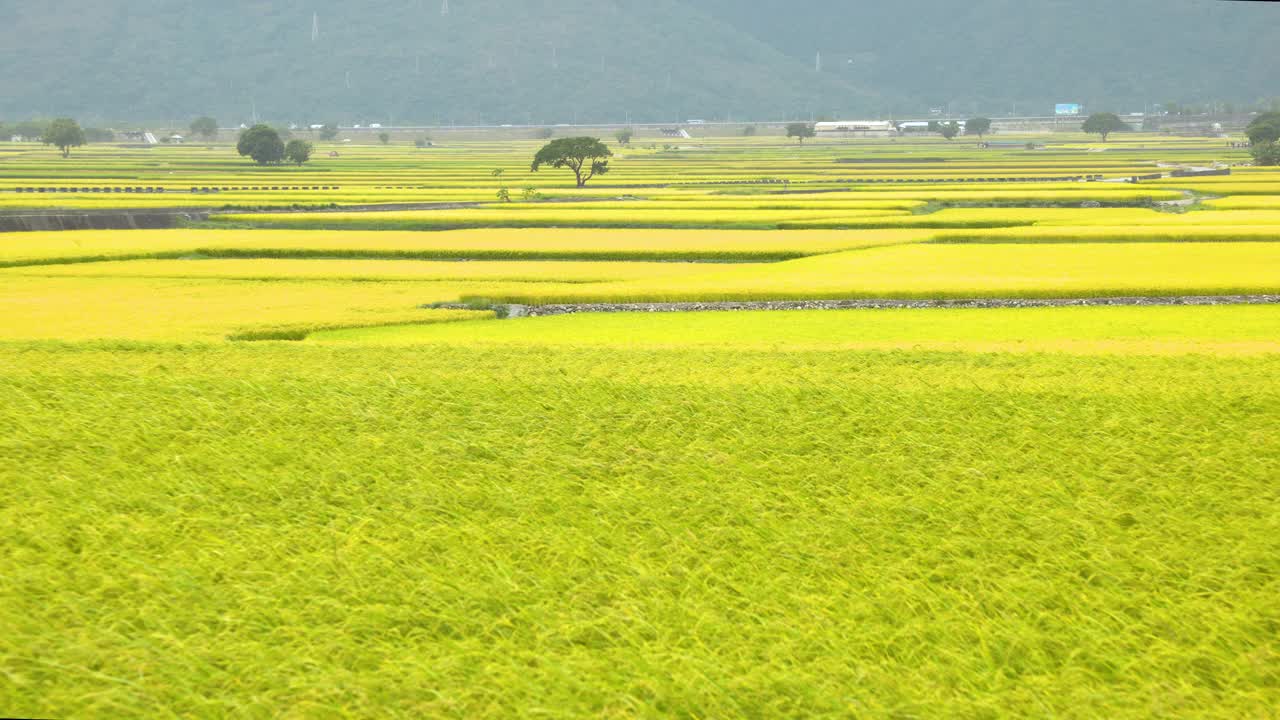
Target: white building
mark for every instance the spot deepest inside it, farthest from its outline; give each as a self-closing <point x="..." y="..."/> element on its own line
<point x="856" y="128"/>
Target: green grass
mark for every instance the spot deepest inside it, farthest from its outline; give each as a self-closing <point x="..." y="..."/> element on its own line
<point x="489" y="532"/>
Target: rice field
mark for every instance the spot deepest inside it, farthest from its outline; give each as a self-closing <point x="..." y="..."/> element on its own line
<point x="955" y="271"/>
<point x="303" y="464"/>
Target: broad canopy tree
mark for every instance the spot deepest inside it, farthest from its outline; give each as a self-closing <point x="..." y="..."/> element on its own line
<point x="801" y="130"/>
<point x="585" y="156"/>
<point x="262" y="143"/>
<point x="205" y="127"/>
<point x="1264" y="129"/>
<point x="977" y="126"/>
<point x="297" y="151"/>
<point x="1104" y="124"/>
<point x="64" y="134"/>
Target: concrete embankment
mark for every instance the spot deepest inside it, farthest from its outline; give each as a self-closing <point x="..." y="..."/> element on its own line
<point x="43" y="221"/>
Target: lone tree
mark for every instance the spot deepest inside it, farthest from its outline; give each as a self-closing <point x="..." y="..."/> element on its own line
<point x="1103" y="124"/>
<point x="801" y="130"/>
<point x="585" y="156"/>
<point x="262" y="143"/>
<point x="297" y="151"/>
<point x="1266" y="154"/>
<point x="205" y="127"/>
<point x="329" y="131"/>
<point x="384" y="137"/>
<point x="624" y="136"/>
<point x="1264" y="129"/>
<point x="977" y="126"/>
<point x="64" y="134"/>
<point x="950" y="130"/>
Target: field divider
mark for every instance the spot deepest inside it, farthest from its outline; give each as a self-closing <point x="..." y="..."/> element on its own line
<point x="511" y="311"/>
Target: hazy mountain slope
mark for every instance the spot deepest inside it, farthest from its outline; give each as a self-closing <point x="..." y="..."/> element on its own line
<point x="538" y="61"/>
<point x="996" y="53"/>
<point x="553" y="61"/>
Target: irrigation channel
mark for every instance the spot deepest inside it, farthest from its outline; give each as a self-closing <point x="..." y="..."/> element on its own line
<point x="519" y="311"/>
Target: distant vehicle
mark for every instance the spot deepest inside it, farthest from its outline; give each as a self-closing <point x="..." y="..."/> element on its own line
<point x="356" y="127"/>
<point x="293" y="126"/>
<point x="507" y="125"/>
<point x="346" y="140"/>
<point x="317" y="127"/>
<point x="695" y="122"/>
<point x="375" y="126"/>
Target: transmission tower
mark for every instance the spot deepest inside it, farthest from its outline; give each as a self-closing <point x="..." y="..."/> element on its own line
<point x="315" y="27"/>
<point x="444" y="9"/>
<point x="817" y="65"/>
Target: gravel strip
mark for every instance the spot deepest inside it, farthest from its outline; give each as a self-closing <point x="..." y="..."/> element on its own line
<point x="516" y="311"/>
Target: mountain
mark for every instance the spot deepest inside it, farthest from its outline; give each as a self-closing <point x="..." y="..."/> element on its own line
<point x="1000" y="56"/>
<point x="564" y="61"/>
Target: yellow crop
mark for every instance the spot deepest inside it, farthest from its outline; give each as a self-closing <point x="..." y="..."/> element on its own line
<point x="531" y="215"/>
<point x="35" y="248"/>
<point x="209" y="310"/>
<point x="959" y="271"/>
<point x="322" y="269"/>
<point x="1219" y="330"/>
<point x="1248" y="202"/>
<point x="1166" y="232"/>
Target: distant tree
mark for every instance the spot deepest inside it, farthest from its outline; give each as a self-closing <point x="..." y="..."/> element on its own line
<point x="950" y="130"/>
<point x="544" y="133"/>
<point x="749" y="131"/>
<point x="624" y="136"/>
<point x="977" y="126"/>
<point x="205" y="127"/>
<point x="935" y="126"/>
<point x="801" y="130"/>
<point x="530" y="194"/>
<point x="329" y="132"/>
<point x="497" y="172"/>
<point x="384" y="137"/>
<point x="585" y="156"/>
<point x="1264" y="129"/>
<point x="1103" y="124"/>
<point x="1267" y="154"/>
<point x="64" y="134"/>
<point x="504" y="195"/>
<point x="262" y="143"/>
<point x="298" y="151"/>
<point x="422" y="142"/>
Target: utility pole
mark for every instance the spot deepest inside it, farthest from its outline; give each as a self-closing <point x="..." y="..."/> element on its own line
<point x="315" y="27"/>
<point x="817" y="65"/>
<point x="444" y="9"/>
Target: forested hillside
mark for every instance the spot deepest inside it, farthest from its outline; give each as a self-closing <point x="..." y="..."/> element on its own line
<point x="561" y="61"/>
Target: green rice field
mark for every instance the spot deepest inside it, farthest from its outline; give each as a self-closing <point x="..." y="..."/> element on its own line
<point x="314" y="462"/>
